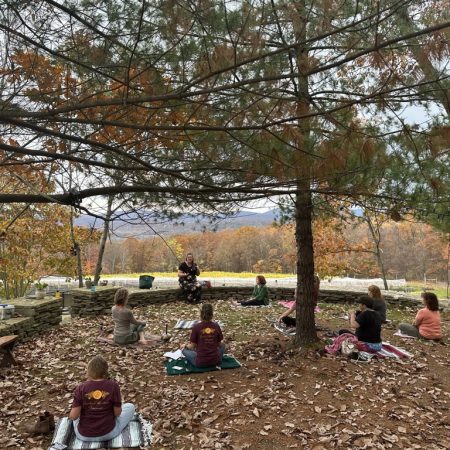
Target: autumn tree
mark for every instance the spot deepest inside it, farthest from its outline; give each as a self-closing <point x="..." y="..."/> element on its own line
<point x="193" y="106"/>
<point x="35" y="239"/>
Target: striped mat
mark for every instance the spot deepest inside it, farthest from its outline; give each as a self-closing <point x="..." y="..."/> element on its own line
<point x="390" y="351"/>
<point x="136" y="434"/>
<point x="387" y="350"/>
<point x="187" y="324"/>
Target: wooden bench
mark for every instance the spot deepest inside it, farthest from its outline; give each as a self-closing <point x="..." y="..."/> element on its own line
<point x="6" y="346"/>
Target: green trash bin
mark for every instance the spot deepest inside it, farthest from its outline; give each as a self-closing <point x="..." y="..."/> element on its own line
<point x="145" y="281"/>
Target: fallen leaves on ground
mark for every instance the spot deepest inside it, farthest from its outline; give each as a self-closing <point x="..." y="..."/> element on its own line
<point x="279" y="398"/>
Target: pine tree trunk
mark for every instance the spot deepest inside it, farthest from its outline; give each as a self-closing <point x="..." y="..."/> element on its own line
<point x="306" y="329"/>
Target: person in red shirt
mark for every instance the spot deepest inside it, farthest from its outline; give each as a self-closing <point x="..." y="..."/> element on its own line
<point x="427" y="324"/>
<point x="97" y="411"/>
<point x="205" y="348"/>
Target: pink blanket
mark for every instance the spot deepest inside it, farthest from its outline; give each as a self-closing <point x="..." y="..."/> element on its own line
<point x="290" y="304"/>
<point x="387" y="350"/>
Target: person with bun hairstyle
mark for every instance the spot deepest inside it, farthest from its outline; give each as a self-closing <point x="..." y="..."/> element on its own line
<point x="127" y="330"/>
<point x="427" y="324"/>
<point x="379" y="305"/>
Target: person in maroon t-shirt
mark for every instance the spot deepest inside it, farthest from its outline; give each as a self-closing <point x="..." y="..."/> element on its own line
<point x="205" y="348"/>
<point x="97" y="409"/>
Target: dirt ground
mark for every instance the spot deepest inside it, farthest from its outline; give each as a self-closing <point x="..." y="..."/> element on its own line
<point x="279" y="399"/>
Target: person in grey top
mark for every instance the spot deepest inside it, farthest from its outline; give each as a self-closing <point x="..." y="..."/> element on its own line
<point x="127" y="330"/>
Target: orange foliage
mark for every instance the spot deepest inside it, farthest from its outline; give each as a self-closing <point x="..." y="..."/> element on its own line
<point x="35" y="241"/>
<point x="245" y="249"/>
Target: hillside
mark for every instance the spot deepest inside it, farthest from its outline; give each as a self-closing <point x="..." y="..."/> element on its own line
<point x="185" y="225"/>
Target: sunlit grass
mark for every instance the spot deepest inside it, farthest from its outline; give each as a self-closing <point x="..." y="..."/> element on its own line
<point x="415" y="288"/>
<point x="203" y="274"/>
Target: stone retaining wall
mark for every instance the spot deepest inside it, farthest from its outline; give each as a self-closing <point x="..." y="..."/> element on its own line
<point x="18" y="325"/>
<point x="37" y="316"/>
<point x="86" y="303"/>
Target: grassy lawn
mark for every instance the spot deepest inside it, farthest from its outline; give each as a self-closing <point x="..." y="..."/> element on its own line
<point x="415" y="288"/>
<point x="203" y="275"/>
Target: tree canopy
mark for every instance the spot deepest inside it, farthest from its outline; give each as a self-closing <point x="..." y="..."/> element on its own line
<point x="175" y="105"/>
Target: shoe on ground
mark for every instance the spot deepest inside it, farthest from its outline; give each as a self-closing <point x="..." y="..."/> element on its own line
<point x="45" y="424"/>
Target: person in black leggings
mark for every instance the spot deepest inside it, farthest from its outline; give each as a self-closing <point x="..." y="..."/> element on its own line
<point x="260" y="294"/>
<point x="291" y="321"/>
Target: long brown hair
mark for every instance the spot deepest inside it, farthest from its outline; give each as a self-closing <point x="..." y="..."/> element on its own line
<point x="374" y="292"/>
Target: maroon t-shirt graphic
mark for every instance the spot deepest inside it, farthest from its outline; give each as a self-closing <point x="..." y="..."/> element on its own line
<point x="97" y="400"/>
<point x="207" y="336"/>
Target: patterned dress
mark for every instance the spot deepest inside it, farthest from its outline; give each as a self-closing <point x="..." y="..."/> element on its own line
<point x="190" y="286"/>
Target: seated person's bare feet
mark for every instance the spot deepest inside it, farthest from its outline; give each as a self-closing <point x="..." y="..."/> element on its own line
<point x="235" y="303"/>
<point x="143" y="342"/>
<point x="153" y="337"/>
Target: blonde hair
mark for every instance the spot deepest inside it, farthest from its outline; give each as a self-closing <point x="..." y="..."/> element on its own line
<point x="121" y="297"/>
<point x="374" y="292"/>
<point x="97" y="368"/>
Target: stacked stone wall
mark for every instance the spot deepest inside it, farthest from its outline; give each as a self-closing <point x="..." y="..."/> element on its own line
<point x="86" y="303"/>
<point x="36" y="316"/>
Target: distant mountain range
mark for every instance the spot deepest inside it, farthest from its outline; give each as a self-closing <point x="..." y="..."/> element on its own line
<point x="122" y="229"/>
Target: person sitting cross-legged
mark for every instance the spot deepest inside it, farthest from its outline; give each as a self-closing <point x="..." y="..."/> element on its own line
<point x="260" y="294"/>
<point x="286" y="318"/>
<point x="379" y="305"/>
<point x="97" y="411"/>
<point x="367" y="324"/>
<point x="127" y="329"/>
<point x="188" y="271"/>
<point x="205" y="348"/>
<point x="427" y="324"/>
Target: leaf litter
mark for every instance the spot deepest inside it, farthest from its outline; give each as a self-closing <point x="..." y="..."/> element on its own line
<point x="280" y="397"/>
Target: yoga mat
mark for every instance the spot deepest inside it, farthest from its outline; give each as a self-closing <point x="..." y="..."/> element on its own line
<point x="228" y="362"/>
<point x="187" y="324"/>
